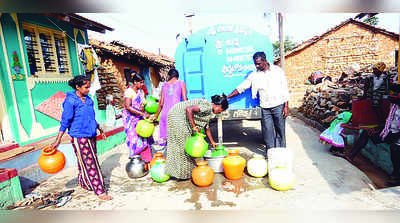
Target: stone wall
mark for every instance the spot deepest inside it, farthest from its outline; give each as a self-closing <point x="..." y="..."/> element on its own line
<point x="334" y="53"/>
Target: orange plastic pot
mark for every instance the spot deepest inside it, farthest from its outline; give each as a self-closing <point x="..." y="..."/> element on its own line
<point x="233" y="165"/>
<point x="157" y="156"/>
<point x="51" y="160"/>
<point x="202" y="175"/>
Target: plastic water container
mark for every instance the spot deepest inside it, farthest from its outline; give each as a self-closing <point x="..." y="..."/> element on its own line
<point x="280" y="157"/>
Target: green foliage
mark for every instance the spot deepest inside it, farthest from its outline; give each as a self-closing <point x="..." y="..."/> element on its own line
<point x="372" y="20"/>
<point x="288" y="44"/>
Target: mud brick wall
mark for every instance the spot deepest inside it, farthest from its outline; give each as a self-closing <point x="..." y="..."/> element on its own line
<point x="334" y="53"/>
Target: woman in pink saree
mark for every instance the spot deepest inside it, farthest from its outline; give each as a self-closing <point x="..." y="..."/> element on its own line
<point x="173" y="91"/>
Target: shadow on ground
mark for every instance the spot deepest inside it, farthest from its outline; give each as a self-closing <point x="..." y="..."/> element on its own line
<point x="106" y="166"/>
<point x="237" y="134"/>
<point x="341" y="176"/>
<point x="109" y="164"/>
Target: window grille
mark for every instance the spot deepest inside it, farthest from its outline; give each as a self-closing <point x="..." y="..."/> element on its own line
<point x="47" y="51"/>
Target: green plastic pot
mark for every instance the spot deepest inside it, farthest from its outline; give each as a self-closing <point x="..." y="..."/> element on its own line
<point x="196" y="146"/>
<point x="145" y="128"/>
<point x="157" y="171"/>
<point x="151" y="105"/>
<point x="219" y="151"/>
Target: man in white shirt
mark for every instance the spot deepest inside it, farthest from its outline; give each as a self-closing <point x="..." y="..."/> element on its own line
<point x="270" y="83"/>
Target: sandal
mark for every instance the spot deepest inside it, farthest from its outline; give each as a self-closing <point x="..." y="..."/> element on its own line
<point x="394" y="178"/>
<point x="344" y="156"/>
<point x="59" y="195"/>
<point x="337" y="153"/>
<point x="348" y="159"/>
<point x="62" y="201"/>
<point x="47" y="203"/>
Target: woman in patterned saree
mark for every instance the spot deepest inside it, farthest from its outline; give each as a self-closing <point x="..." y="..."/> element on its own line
<point x="134" y="112"/>
<point x="79" y="118"/>
<point x="184" y="118"/>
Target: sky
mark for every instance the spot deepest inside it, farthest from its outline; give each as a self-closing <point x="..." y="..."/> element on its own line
<point x="154" y="29"/>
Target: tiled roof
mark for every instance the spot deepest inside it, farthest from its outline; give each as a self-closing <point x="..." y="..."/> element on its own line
<point x="117" y="48"/>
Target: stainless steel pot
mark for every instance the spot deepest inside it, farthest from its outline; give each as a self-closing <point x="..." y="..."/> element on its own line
<point x="214" y="162"/>
<point x="136" y="167"/>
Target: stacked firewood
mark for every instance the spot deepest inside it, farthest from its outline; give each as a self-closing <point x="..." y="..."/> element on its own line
<point x="324" y="101"/>
<point x="112" y="83"/>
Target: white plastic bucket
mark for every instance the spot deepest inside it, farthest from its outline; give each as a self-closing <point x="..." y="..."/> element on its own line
<point x="280" y="157"/>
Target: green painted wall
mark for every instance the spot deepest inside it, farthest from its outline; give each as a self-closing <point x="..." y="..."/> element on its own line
<point x="111" y="142"/>
<point x="40" y="93"/>
<point x="37" y="96"/>
<point x="11" y="110"/>
<point x="10" y="192"/>
<point x="24" y="107"/>
<point x="100" y="114"/>
<point x="378" y="154"/>
<point x="20" y="87"/>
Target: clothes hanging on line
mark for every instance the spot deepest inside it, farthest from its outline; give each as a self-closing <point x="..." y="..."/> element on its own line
<point x="88" y="57"/>
<point x="90" y="62"/>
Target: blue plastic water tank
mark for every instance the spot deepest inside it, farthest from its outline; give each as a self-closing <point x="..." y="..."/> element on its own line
<point x="217" y="59"/>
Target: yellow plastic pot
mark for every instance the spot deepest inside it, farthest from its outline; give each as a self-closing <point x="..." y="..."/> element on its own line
<point x="145" y="128"/>
<point x="281" y="178"/>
